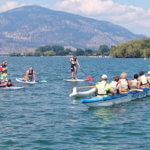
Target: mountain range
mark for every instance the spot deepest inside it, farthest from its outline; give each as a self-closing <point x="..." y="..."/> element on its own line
<point x="26" y="28"/>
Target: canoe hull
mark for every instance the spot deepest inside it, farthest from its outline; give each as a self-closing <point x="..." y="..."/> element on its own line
<point x="116" y="99"/>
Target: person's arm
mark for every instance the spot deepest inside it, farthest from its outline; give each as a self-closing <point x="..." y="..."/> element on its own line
<point x="139" y="85"/>
<point x="119" y="86"/>
<point x="34" y="76"/>
<point x="27" y="73"/>
<point x="130" y="84"/>
<point x="78" y="64"/>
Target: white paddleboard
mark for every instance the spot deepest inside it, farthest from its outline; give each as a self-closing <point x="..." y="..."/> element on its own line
<point x="21" y="80"/>
<point x="75" y="80"/>
<point x="12" y="88"/>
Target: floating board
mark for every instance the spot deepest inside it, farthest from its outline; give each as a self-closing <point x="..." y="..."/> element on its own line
<point x="12" y="88"/>
<point x="75" y="80"/>
<point x="21" y="80"/>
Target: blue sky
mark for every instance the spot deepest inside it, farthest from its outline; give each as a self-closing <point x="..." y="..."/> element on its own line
<point x="132" y="14"/>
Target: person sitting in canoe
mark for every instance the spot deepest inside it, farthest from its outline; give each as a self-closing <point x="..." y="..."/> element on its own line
<point x="29" y="75"/>
<point x="135" y="83"/>
<point x="148" y="77"/>
<point x="7" y="84"/>
<point x="123" y="83"/>
<point x="3" y="69"/>
<point x="74" y="63"/>
<point x="102" y="87"/>
<point x="143" y="80"/>
<point x="114" y="86"/>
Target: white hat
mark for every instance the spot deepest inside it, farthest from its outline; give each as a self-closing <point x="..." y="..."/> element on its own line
<point x="148" y="72"/>
<point x="104" y="76"/>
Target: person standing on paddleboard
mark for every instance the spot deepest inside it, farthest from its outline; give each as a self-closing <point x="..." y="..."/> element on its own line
<point x="74" y="63"/>
<point x="29" y="75"/>
<point x="3" y="69"/>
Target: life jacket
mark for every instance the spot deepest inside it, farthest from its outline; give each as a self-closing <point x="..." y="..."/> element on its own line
<point x="143" y="80"/>
<point x="102" y="88"/>
<point x="134" y="84"/>
<point x="113" y="85"/>
<point x="73" y="62"/>
<point x="148" y="78"/>
<point x="124" y="84"/>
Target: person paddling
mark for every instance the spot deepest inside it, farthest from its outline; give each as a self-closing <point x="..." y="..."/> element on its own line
<point x="7" y="84"/>
<point x="114" y="86"/>
<point x="74" y="63"/>
<point x="148" y="77"/>
<point x="4" y="71"/>
<point x="123" y="83"/>
<point x="29" y="75"/>
<point x="135" y="83"/>
<point x="102" y="87"/>
<point x="143" y="80"/>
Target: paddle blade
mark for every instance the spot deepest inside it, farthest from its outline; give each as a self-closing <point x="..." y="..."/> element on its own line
<point x="90" y="78"/>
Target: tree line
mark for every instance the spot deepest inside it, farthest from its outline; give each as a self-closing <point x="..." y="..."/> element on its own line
<point x="132" y="49"/>
<point x="58" y="50"/>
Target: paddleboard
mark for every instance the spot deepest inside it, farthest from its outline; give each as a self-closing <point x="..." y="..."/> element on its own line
<point x="21" y="80"/>
<point x="75" y="80"/>
<point x="12" y="88"/>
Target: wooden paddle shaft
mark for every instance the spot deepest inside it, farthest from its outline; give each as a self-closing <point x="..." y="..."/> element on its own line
<point x="85" y="87"/>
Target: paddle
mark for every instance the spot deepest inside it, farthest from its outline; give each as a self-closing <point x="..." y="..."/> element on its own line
<point x="85" y="87"/>
<point x="88" y="77"/>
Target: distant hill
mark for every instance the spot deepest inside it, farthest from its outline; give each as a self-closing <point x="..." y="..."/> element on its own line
<point x="26" y="28"/>
<point x="132" y="49"/>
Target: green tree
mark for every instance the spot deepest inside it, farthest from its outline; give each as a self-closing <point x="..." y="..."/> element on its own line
<point x="104" y="50"/>
<point x="79" y="52"/>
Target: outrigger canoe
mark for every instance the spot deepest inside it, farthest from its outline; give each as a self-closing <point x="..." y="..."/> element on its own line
<point x="116" y="99"/>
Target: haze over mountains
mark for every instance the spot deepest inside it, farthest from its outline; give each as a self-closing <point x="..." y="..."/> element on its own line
<point x="26" y="28"/>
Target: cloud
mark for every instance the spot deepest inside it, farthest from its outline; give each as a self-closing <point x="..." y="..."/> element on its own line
<point x="129" y="16"/>
<point x="9" y="5"/>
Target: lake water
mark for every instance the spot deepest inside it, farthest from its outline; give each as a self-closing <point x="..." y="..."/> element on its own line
<point x="44" y="117"/>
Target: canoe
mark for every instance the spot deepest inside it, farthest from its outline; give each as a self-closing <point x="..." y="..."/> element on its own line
<point x="12" y="88"/>
<point x="75" y="80"/>
<point x="115" y="99"/>
<point x="21" y="80"/>
<point x="75" y="93"/>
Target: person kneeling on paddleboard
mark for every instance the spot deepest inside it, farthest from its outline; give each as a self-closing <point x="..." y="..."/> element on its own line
<point x="102" y="87"/>
<point x="74" y="63"/>
<point x="29" y="75"/>
<point x="7" y="84"/>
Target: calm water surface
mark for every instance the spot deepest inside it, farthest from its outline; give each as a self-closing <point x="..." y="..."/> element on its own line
<point x="44" y="117"/>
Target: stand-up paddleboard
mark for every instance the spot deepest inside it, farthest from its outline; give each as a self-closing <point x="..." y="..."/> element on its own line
<point x="21" y="80"/>
<point x="12" y="88"/>
<point x="75" y="80"/>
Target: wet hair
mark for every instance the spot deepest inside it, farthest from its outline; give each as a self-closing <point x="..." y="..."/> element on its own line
<point x="136" y="76"/>
<point x="116" y="78"/>
<point x="9" y="80"/>
<point x="142" y="73"/>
